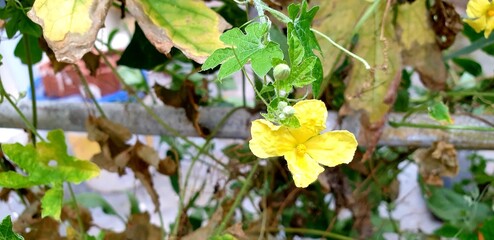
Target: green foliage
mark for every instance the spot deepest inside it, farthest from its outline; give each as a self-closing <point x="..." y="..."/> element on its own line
<point x="6" y="232"/>
<point x="46" y="164"/>
<point x="33" y="49"/>
<point x="439" y="112"/>
<point x="140" y="53"/>
<point x="460" y="212"/>
<point x="252" y="46"/>
<point x="299" y="30"/>
<point x="17" y="21"/>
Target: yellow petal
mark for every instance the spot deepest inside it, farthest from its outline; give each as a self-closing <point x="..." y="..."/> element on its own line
<point x="303" y="168"/>
<point x="477" y="8"/>
<point x="477" y="24"/>
<point x="312" y="115"/>
<point x="332" y="148"/>
<point x="489" y="27"/>
<point x="269" y="140"/>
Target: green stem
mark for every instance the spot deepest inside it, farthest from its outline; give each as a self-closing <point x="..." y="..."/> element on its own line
<point x="366" y="16"/>
<point x="237" y="201"/>
<point x="76" y="207"/>
<point x="21" y="115"/>
<point x="88" y="91"/>
<point x="311" y="231"/>
<point x="277" y="14"/>
<point x="33" y="87"/>
<point x="150" y="111"/>
<point x="366" y="64"/>
<point x="194" y="159"/>
<point x="470" y="93"/>
<point x="442" y="127"/>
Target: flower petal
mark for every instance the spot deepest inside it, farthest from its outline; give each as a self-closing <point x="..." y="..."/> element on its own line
<point x="489" y="27"/>
<point x="312" y="115"/>
<point x="477" y="8"/>
<point x="304" y="169"/>
<point x="477" y="24"/>
<point x="269" y="140"/>
<point x="332" y="148"/>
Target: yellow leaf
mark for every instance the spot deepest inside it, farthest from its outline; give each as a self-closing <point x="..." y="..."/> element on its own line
<point x="337" y="20"/>
<point x="70" y="26"/>
<point x="188" y="25"/>
<point x="367" y="90"/>
<point x="414" y="24"/>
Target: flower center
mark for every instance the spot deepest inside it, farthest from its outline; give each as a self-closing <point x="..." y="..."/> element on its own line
<point x="301" y="149"/>
<point x="490" y="13"/>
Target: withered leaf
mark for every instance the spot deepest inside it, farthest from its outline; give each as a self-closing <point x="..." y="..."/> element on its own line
<point x="207" y="230"/>
<point x="70" y="26"/>
<point x="437" y="161"/>
<point x="69" y="213"/>
<point x="420" y="48"/>
<point x="185" y="98"/>
<point x="116" y="154"/>
<point x="92" y="62"/>
<point x="446" y="22"/>
<point x="138" y="227"/>
<point x="31" y="226"/>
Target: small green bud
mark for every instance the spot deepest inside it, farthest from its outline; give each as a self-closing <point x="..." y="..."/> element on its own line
<point x="282" y="105"/>
<point x="289" y="110"/>
<point x="281" y="71"/>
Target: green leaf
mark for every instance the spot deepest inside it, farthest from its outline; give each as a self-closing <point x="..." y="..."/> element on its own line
<point x="455" y="208"/>
<point x="48" y="163"/>
<point x="447" y="230"/>
<point x="15" y="180"/>
<point x="302" y="21"/>
<point x="94" y="200"/>
<point x="34" y="49"/>
<point x="440" y="112"/>
<point x="469" y="65"/>
<point x="140" y="53"/>
<point x="244" y="47"/>
<point x="478" y="41"/>
<point x="17" y="20"/>
<point x="51" y="203"/>
<point x="6" y="232"/>
<point x="188" y="25"/>
<point x="134" y="204"/>
<point x="487" y="229"/>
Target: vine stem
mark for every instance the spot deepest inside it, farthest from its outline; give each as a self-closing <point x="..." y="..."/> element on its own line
<point x="442" y="127"/>
<point x="366" y="64"/>
<point x="153" y="114"/>
<point x="237" y="201"/>
<point x="311" y="231"/>
<point x="76" y="207"/>
<point x="33" y="87"/>
<point x="194" y="160"/>
<point x="29" y="125"/>
<point x="87" y="90"/>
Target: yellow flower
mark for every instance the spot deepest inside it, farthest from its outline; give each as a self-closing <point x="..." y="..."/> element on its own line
<point x="481" y="16"/>
<point x="304" y="148"/>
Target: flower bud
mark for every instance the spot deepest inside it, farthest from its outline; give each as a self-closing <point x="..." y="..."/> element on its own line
<point x="282" y="116"/>
<point x="281" y="71"/>
<point x="282" y="93"/>
<point x="289" y="110"/>
<point x="282" y="105"/>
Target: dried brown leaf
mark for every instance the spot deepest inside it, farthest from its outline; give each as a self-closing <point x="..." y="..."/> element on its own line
<point x="139" y="227"/>
<point x="436" y="162"/>
<point x="185" y="98"/>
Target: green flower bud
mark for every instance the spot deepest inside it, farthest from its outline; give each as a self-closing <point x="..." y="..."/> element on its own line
<point x="281" y="71"/>
<point x="282" y="105"/>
